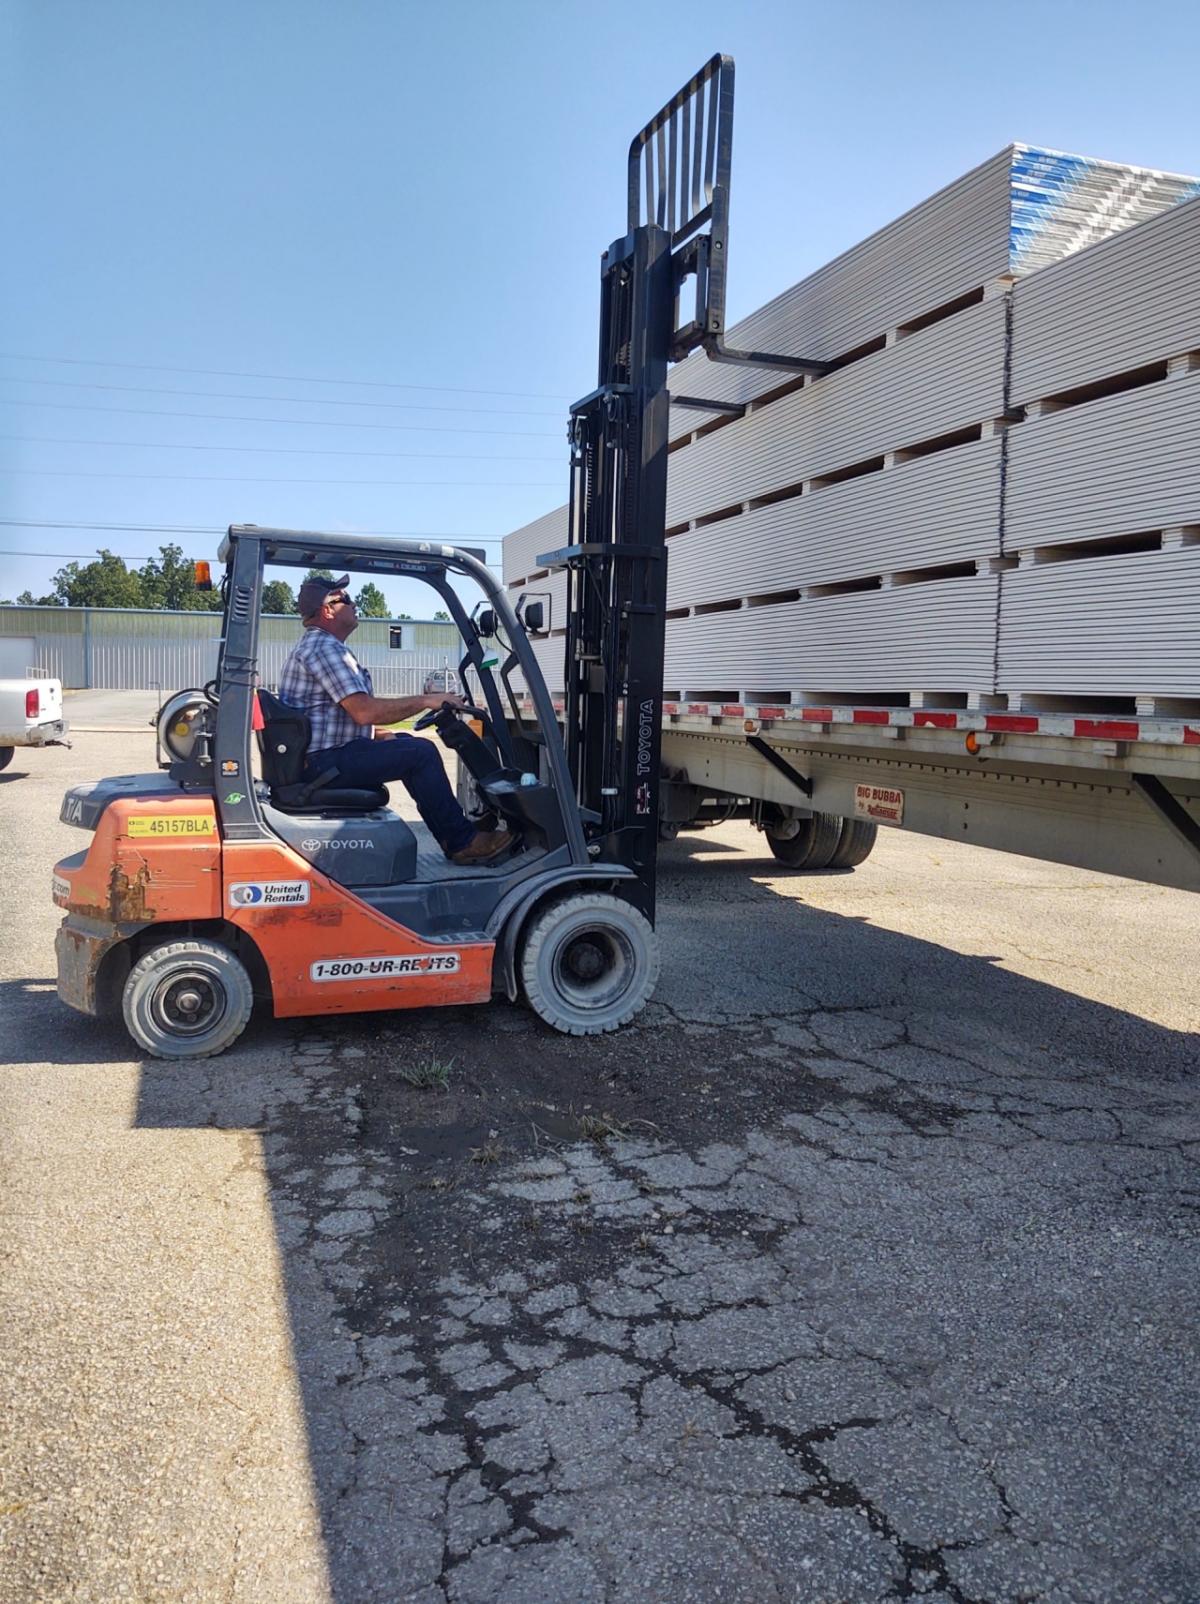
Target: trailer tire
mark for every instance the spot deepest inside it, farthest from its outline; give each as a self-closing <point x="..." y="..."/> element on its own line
<point x="187" y="999"/>
<point x="588" y="963"/>
<point x="856" y="844"/>
<point x="6" y="755"/>
<point x="812" y="846"/>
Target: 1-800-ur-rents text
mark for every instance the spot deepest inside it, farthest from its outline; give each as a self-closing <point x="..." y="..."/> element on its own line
<point x="422" y="963"/>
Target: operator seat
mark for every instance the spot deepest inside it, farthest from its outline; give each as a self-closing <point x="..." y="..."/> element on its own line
<point x="283" y="744"/>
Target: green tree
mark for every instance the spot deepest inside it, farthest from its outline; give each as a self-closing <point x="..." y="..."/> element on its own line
<point x="278" y="597"/>
<point x="442" y="618"/>
<point x="319" y="573"/>
<point x="371" y="602"/>
<point x="28" y="599"/>
<point x="103" y="583"/>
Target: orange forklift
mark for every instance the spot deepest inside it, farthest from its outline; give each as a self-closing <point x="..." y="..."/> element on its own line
<point x="207" y="884"/>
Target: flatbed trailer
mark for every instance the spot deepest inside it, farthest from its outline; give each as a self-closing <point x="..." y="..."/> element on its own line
<point x="1113" y="794"/>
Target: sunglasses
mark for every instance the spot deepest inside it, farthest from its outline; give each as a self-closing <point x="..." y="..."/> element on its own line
<point x="336" y="601"/>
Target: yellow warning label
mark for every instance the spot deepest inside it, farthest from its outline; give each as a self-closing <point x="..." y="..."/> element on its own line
<point x="160" y="824"/>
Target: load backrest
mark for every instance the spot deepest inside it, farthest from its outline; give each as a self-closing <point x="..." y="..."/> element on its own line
<point x="282" y="741"/>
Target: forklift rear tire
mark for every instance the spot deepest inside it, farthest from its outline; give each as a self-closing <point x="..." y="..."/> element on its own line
<point x="856" y="844"/>
<point x="813" y="844"/>
<point x="6" y="755"/>
<point x="588" y="963"/>
<point x="187" y="999"/>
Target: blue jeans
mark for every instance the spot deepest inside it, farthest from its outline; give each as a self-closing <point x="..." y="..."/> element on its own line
<point x="412" y="761"/>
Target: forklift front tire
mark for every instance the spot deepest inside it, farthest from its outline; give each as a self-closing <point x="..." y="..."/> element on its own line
<point x="187" y="999"/>
<point x="588" y="963"/>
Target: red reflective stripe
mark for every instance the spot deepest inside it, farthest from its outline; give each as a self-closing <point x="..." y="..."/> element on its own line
<point x="940" y="721"/>
<point x="1191" y="737"/>
<point x="1108" y="729"/>
<point x="871" y="715"/>
<point x="773" y="712"/>
<point x="819" y="715"/>
<point x="1015" y="724"/>
<point x="732" y="711"/>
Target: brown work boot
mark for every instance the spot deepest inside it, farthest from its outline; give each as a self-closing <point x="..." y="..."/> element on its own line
<point x="483" y="847"/>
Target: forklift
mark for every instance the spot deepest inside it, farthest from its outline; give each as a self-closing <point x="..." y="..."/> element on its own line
<point x="207" y="885"/>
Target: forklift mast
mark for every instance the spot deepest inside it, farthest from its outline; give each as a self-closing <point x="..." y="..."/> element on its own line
<point x="616" y="560"/>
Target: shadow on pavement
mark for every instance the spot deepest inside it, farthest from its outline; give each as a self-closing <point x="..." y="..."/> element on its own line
<point x="370" y="1268"/>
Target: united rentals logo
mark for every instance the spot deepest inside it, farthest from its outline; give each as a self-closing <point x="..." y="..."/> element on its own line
<point x="270" y="894"/>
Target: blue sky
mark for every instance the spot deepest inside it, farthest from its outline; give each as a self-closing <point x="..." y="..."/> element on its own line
<point x="214" y="206"/>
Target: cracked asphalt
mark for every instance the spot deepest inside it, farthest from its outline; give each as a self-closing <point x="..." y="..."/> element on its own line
<point x="863" y="1267"/>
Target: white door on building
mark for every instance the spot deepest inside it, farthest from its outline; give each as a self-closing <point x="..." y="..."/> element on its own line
<point x="16" y="655"/>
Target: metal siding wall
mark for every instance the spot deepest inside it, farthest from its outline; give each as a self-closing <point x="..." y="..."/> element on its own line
<point x="136" y="650"/>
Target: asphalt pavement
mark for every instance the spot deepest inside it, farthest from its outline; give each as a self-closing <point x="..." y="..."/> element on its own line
<point x="862" y="1267"/>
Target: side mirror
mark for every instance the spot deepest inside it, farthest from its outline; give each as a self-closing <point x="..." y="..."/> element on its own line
<point x="534" y="618"/>
<point x="485" y="624"/>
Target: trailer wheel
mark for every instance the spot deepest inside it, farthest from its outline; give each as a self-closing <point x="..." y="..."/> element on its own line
<point x="856" y="844"/>
<point x="811" y="845"/>
<point x="588" y="963"/>
<point x="187" y="999"/>
<point x="6" y="755"/>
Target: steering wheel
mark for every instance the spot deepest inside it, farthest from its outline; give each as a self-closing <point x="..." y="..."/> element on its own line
<point x="435" y="713"/>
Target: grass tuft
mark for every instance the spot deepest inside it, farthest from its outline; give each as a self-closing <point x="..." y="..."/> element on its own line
<point x="428" y="1074"/>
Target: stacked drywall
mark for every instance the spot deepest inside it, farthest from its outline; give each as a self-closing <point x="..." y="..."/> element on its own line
<point x="860" y="532"/>
<point x="1102" y="504"/>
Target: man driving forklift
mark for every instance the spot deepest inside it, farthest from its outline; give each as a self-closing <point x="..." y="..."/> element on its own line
<point x="323" y="678"/>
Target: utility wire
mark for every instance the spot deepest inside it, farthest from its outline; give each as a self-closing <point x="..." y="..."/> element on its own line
<point x="283" y="451"/>
<point x="292" y="400"/>
<point x="305" y="423"/>
<point x="283" y="378"/>
<point x="214" y="529"/>
<point x="235" y="479"/>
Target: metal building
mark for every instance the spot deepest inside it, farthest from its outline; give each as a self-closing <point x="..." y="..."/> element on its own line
<point x="128" y="649"/>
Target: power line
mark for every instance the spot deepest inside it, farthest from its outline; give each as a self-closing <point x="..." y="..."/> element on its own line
<point x="282" y="378"/>
<point x="305" y="423"/>
<point x="59" y="556"/>
<point x="235" y="479"/>
<point x="283" y="451"/>
<point x="293" y="400"/>
<point x="215" y="529"/>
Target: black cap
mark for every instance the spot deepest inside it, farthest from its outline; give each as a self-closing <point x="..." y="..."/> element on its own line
<point x="314" y="591"/>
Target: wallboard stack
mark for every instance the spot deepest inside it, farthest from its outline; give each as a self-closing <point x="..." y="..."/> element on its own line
<point x="996" y="491"/>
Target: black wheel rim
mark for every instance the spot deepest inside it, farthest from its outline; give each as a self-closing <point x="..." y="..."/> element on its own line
<point x="594" y="966"/>
<point x="188" y="1002"/>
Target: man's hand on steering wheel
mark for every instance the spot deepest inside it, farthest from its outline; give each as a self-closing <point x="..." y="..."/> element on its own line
<point x="443" y="703"/>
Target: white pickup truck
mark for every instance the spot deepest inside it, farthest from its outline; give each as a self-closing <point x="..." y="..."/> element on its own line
<point x="31" y="714"/>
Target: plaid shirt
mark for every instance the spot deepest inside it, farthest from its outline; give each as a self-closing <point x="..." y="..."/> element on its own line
<point x="318" y="673"/>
